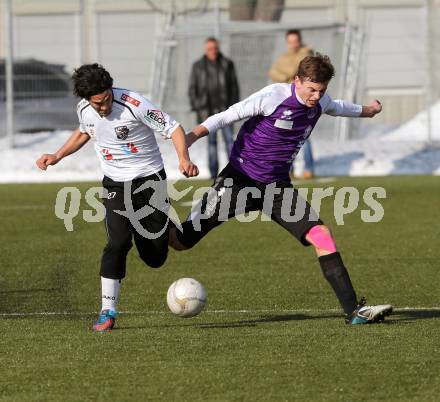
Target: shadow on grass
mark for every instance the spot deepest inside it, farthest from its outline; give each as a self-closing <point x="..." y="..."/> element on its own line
<point x="15" y="301"/>
<point x="27" y="291"/>
<point x="128" y="327"/>
<point x="267" y="319"/>
<point x="55" y="294"/>
<point x="189" y="323"/>
<point x="400" y="316"/>
<point x="414" y="315"/>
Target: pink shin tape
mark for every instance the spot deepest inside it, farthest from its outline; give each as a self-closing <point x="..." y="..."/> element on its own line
<point x="321" y="239"/>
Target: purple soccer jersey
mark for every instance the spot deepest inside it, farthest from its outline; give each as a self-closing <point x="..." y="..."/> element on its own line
<point x="279" y="124"/>
<point x="267" y="145"/>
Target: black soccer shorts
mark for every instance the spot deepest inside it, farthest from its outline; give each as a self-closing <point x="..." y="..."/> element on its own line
<point x="150" y="233"/>
<point x="234" y="193"/>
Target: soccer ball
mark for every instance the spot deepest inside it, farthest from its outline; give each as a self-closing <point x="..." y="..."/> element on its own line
<point x="186" y="297"/>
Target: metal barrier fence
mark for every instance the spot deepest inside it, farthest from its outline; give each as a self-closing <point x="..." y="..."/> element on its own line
<point x="388" y="52"/>
<point x="253" y="48"/>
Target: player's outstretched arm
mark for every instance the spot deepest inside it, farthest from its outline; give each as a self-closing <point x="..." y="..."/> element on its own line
<point x="75" y="142"/>
<point x="345" y="108"/>
<point x="186" y="167"/>
<point x="198" y="132"/>
<point x="372" y="109"/>
<point x="259" y="103"/>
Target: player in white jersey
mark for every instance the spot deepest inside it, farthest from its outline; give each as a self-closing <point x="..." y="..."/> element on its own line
<point x="123" y="124"/>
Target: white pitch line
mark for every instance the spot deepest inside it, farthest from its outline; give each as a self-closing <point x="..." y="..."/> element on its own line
<point x="158" y="312"/>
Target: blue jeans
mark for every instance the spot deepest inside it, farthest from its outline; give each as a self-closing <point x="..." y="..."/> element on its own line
<point x="228" y="138"/>
<point x="309" y="164"/>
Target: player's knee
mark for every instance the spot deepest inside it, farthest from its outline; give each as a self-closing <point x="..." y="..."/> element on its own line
<point x="321" y="238"/>
<point x="155" y="259"/>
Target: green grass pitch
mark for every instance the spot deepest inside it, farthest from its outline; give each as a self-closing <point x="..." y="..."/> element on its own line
<point x="271" y="330"/>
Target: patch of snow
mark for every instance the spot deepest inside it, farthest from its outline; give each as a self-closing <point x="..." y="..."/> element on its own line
<point x="416" y="128"/>
<point x="394" y="153"/>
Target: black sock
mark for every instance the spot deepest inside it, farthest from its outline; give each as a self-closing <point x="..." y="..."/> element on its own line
<point x="336" y="274"/>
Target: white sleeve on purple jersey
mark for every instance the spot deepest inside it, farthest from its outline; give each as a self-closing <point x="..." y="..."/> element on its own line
<point x="263" y="102"/>
<point x="153" y="117"/>
<point x="339" y="107"/>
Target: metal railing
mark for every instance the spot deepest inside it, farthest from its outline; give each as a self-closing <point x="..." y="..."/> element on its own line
<point x="390" y="52"/>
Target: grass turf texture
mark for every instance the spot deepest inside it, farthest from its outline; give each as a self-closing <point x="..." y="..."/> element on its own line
<point x="267" y="353"/>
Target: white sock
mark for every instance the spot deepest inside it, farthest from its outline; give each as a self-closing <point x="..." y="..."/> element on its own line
<point x="110" y="293"/>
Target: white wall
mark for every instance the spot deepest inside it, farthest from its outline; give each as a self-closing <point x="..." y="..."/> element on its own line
<point x="121" y="36"/>
<point x="126" y="44"/>
<point x="396" y="47"/>
<point x="51" y="38"/>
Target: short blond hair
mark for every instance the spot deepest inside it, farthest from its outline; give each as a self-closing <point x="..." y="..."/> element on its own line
<point x="316" y="68"/>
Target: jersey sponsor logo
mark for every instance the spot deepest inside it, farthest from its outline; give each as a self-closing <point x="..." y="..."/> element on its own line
<point x="106" y="154"/>
<point x="312" y="112"/>
<point x="284" y="124"/>
<point x="129" y="99"/>
<point x="122" y="132"/>
<point x="90" y="128"/>
<point x="155" y="118"/>
<point x="287" y="115"/>
<point x="129" y="149"/>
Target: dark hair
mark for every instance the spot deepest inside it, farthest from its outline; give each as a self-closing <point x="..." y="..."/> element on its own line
<point x="296" y="32"/>
<point x="316" y="68"/>
<point x="211" y="39"/>
<point x="91" y="79"/>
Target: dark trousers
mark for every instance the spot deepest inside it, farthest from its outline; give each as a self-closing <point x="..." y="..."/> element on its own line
<point x="150" y="232"/>
<point x="230" y="183"/>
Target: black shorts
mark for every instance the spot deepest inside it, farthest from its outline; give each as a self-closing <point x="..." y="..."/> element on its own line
<point x="234" y="193"/>
<point x="150" y="233"/>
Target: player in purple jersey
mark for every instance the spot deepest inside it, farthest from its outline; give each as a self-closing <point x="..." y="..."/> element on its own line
<point x="280" y="117"/>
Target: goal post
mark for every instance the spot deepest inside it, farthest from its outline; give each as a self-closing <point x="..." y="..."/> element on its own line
<point x="253" y="46"/>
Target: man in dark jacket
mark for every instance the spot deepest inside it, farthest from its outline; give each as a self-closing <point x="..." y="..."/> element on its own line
<point x="213" y="87"/>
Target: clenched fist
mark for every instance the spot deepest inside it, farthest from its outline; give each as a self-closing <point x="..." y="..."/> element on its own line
<point x="188" y="169"/>
<point x="372" y="109"/>
<point x="47" y="160"/>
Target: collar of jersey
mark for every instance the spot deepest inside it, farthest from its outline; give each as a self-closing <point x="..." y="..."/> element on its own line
<point x="297" y="96"/>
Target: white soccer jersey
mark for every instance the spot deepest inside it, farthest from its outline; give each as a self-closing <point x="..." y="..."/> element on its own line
<point x="125" y="139"/>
